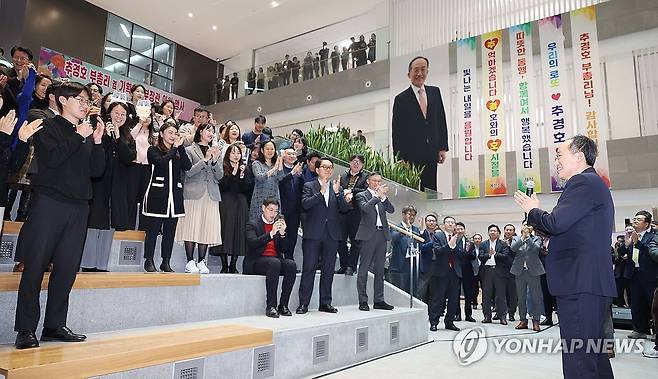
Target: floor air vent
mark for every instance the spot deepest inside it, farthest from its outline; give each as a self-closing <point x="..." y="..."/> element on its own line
<point x="362" y="339"/>
<point x="263" y="362"/>
<point x="192" y="369"/>
<point x="394" y="328"/>
<point x="320" y="349"/>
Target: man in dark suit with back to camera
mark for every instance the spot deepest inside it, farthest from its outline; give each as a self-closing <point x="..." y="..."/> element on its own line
<point x="321" y="200"/>
<point x="420" y="132"/>
<point x="578" y="267"/>
<point x="373" y="234"/>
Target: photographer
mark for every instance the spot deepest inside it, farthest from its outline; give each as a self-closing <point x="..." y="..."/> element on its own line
<point x="266" y="238"/>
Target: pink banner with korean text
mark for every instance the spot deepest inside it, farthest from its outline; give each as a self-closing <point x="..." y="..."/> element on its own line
<point x="469" y="127"/>
<point x="62" y="66"/>
<point x="590" y="116"/>
<point x="524" y="95"/>
<point x="557" y="113"/>
<point x="492" y="114"/>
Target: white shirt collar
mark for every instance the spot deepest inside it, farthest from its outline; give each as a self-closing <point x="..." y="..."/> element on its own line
<point x="265" y="221"/>
<point x="416" y="89"/>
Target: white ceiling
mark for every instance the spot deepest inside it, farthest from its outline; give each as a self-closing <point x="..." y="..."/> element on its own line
<point x="242" y="25"/>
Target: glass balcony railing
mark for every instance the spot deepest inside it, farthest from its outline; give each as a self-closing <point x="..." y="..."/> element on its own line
<point x="305" y="65"/>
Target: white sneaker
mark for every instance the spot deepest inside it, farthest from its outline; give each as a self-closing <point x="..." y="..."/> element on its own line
<point x="202" y="268"/>
<point x="191" y="268"/>
<point x="651" y="353"/>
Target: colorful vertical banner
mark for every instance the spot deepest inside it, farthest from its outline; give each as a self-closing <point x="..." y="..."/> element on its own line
<point x="492" y="114"/>
<point x="524" y="94"/>
<point x="469" y="131"/>
<point x="557" y="122"/>
<point x="590" y="115"/>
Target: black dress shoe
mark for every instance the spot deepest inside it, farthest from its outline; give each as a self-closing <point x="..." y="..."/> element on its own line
<point x="470" y="319"/>
<point x="271" y="312"/>
<point x="327" y="308"/>
<point x="364" y="307"/>
<point x="452" y="327"/>
<point x="511" y="318"/>
<point x="284" y="311"/>
<point x="26" y="340"/>
<point x="383" y="305"/>
<point x="458" y="318"/>
<point x="341" y="270"/>
<point x="433" y="328"/>
<point x="62" y="334"/>
<point x="475" y="306"/>
<point x="164" y="266"/>
<point x="302" y="309"/>
<point x="486" y="321"/>
<point x="547" y="322"/>
<point x="349" y="271"/>
<point x="149" y="266"/>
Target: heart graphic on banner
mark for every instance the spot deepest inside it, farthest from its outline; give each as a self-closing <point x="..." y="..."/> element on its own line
<point x="556" y="96"/>
<point x="494" y="144"/>
<point x="492" y="105"/>
<point x="491" y="43"/>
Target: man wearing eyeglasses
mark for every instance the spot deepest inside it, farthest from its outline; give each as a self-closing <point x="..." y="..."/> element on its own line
<point x="353" y="181"/>
<point x="641" y="245"/>
<point x="14" y="78"/>
<point x="322" y="199"/>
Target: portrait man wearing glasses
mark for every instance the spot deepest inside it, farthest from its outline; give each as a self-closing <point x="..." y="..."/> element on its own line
<point x="420" y="132"/>
<point x="322" y="199"/>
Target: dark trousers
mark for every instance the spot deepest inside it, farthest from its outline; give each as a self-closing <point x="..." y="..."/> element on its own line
<point x="642" y="297"/>
<point x="425" y="289"/>
<point x="334" y="67"/>
<point x="153" y="227"/>
<point x="549" y="299"/>
<point x="54" y="232"/>
<point x="493" y="282"/>
<point x="623" y="292"/>
<point x="468" y="286"/>
<point x="292" y="229"/>
<point x="324" y="67"/>
<point x="399" y="279"/>
<point x="373" y="253"/>
<point x="428" y="176"/>
<point x="23" y="203"/>
<point x="511" y="296"/>
<point x="272" y="268"/>
<point x="234" y="92"/>
<point x="343" y="64"/>
<point x="307" y="73"/>
<point x="447" y="288"/>
<point x="349" y="258"/>
<point x="295" y="76"/>
<point x="477" y="284"/>
<point x="286" y="78"/>
<point x="654" y="312"/>
<point x="138" y="180"/>
<point x="313" y="250"/>
<point x="583" y="317"/>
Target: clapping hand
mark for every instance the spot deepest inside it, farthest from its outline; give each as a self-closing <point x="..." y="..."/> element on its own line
<point x="336" y="185"/>
<point x="177" y="114"/>
<point x="348" y="197"/>
<point x="297" y="170"/>
<point x="27" y="130"/>
<point x="7" y="122"/>
<point x="179" y="141"/>
<point x="84" y="129"/>
<point x="98" y="133"/>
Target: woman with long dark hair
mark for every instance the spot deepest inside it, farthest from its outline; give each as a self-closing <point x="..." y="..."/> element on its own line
<point x="163" y="200"/>
<point x="268" y="172"/>
<point x="235" y="186"/>
<point x="140" y="169"/>
<point x="201" y="226"/>
<point x="39" y="99"/>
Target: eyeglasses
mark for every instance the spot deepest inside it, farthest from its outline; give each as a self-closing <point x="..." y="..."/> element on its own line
<point x="21" y="59"/>
<point x="118" y="114"/>
<point x="83" y="101"/>
<point x="639" y="219"/>
<point x="326" y="167"/>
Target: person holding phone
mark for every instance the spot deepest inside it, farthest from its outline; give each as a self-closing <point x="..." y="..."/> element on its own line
<point x="266" y="238"/>
<point x="268" y="172"/>
<point x="163" y="200"/>
<point x="71" y="153"/>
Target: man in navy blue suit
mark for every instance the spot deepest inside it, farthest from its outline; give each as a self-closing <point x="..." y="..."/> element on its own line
<point x="578" y="267"/>
<point x="321" y="200"/>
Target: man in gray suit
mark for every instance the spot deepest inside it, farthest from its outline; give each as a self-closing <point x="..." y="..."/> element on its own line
<point x="528" y="269"/>
<point x="373" y="234"/>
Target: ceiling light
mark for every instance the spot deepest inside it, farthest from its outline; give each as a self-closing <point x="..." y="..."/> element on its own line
<point x="114" y="48"/>
<point x="214" y="27"/>
<point x="190" y="15"/>
<point x="139" y="36"/>
<point x="274" y="4"/>
<point x="125" y="30"/>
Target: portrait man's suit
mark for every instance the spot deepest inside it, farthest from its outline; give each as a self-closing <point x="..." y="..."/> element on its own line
<point x="494" y="279"/>
<point x="643" y="278"/>
<point x="446" y="273"/>
<point x="418" y="139"/>
<point x="578" y="267"/>
<point x="322" y="231"/>
<point x="373" y="243"/>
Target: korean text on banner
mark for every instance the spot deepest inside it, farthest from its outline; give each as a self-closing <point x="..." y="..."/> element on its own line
<point x="469" y="130"/>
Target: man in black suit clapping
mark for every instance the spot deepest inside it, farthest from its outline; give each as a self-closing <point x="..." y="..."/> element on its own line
<point x="420" y="133"/>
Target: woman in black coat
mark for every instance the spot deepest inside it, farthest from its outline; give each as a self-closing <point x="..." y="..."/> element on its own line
<point x="163" y="201"/>
<point x="108" y="207"/>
